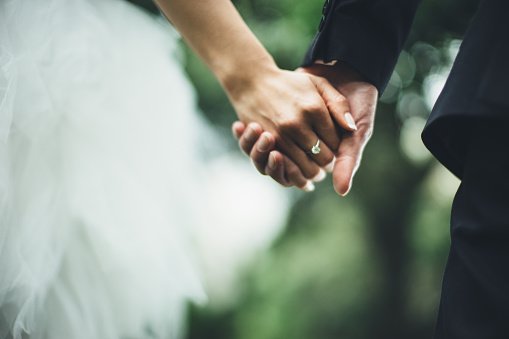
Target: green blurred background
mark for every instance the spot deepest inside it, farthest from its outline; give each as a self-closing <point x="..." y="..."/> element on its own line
<point x="365" y="266"/>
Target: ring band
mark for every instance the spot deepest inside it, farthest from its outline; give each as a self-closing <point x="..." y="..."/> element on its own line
<point x="316" y="148"/>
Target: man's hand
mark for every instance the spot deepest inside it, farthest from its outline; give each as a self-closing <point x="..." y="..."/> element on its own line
<point x="362" y="98"/>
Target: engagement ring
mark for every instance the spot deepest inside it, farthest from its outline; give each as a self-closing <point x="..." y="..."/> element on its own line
<point x="316" y="148"/>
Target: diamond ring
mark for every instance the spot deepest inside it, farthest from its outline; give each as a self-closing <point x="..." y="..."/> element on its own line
<point x="316" y="148"/>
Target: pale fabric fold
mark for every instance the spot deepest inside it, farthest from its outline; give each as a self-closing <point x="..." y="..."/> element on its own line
<point x="94" y="209"/>
<point x="101" y="180"/>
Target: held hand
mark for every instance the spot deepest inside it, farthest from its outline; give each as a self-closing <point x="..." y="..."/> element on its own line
<point x="291" y="106"/>
<point x="362" y="97"/>
<point x="260" y="147"/>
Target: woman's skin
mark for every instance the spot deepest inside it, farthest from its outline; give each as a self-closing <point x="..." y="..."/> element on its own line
<point x="362" y="98"/>
<point x="297" y="108"/>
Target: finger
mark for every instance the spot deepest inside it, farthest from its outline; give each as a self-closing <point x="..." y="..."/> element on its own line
<point x="323" y="125"/>
<point x="238" y="128"/>
<point x="250" y="136"/>
<point x="348" y="161"/>
<point x="307" y="139"/>
<point x="283" y="170"/>
<point x="327" y="132"/>
<point x="307" y="166"/>
<point x="261" y="150"/>
<point x="296" y="178"/>
<point x="336" y="103"/>
<point x="276" y="168"/>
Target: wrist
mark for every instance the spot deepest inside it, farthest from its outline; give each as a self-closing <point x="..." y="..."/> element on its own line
<point x="243" y="75"/>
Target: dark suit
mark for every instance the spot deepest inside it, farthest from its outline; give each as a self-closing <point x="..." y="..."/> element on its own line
<point x="467" y="131"/>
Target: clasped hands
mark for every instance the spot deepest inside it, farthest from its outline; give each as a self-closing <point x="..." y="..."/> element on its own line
<point x="285" y="114"/>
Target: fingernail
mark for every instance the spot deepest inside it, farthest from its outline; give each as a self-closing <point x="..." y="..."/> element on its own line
<point x="330" y="166"/>
<point x="320" y="176"/>
<point x="255" y="127"/>
<point x="309" y="187"/>
<point x="249" y="134"/>
<point x="237" y="125"/>
<point x="263" y="144"/>
<point x="344" y="194"/>
<point x="272" y="161"/>
<point x="350" y="121"/>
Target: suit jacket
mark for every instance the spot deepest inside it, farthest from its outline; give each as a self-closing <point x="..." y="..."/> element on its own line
<point x="369" y="35"/>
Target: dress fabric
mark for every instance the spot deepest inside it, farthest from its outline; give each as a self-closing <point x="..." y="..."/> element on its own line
<point x="98" y="128"/>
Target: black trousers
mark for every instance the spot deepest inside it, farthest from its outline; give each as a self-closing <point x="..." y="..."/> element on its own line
<point x="475" y="291"/>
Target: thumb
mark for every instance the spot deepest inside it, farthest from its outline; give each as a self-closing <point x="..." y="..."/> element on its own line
<point x="337" y="103"/>
<point x="347" y="162"/>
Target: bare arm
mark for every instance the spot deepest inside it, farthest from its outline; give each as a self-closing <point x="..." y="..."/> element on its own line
<point x="293" y="106"/>
<point x="218" y="34"/>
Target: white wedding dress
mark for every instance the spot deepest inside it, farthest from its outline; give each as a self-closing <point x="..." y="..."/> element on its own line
<point x="100" y="173"/>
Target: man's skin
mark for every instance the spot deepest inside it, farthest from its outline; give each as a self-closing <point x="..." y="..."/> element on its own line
<point x="362" y="98"/>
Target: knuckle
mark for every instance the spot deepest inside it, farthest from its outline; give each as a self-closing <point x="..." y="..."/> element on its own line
<point x="340" y="99"/>
<point x="312" y="106"/>
<point x="248" y="139"/>
<point x="293" y="173"/>
<point x="288" y="125"/>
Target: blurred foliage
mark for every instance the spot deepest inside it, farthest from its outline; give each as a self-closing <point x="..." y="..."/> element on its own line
<point x="370" y="265"/>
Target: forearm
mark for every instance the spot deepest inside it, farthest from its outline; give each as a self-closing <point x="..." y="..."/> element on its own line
<point x="285" y="103"/>
<point x="217" y="33"/>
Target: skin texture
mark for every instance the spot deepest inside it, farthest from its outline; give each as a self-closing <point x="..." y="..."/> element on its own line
<point x="362" y="98"/>
<point x="297" y="108"/>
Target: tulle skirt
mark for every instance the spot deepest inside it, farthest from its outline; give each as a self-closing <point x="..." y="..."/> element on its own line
<point x="98" y="134"/>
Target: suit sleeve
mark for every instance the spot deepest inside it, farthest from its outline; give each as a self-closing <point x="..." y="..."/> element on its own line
<point x="366" y="34"/>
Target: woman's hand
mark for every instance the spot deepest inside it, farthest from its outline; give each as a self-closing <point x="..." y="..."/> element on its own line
<point x="297" y="109"/>
<point x="362" y="98"/>
<point x="260" y="147"/>
<point x="289" y="105"/>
